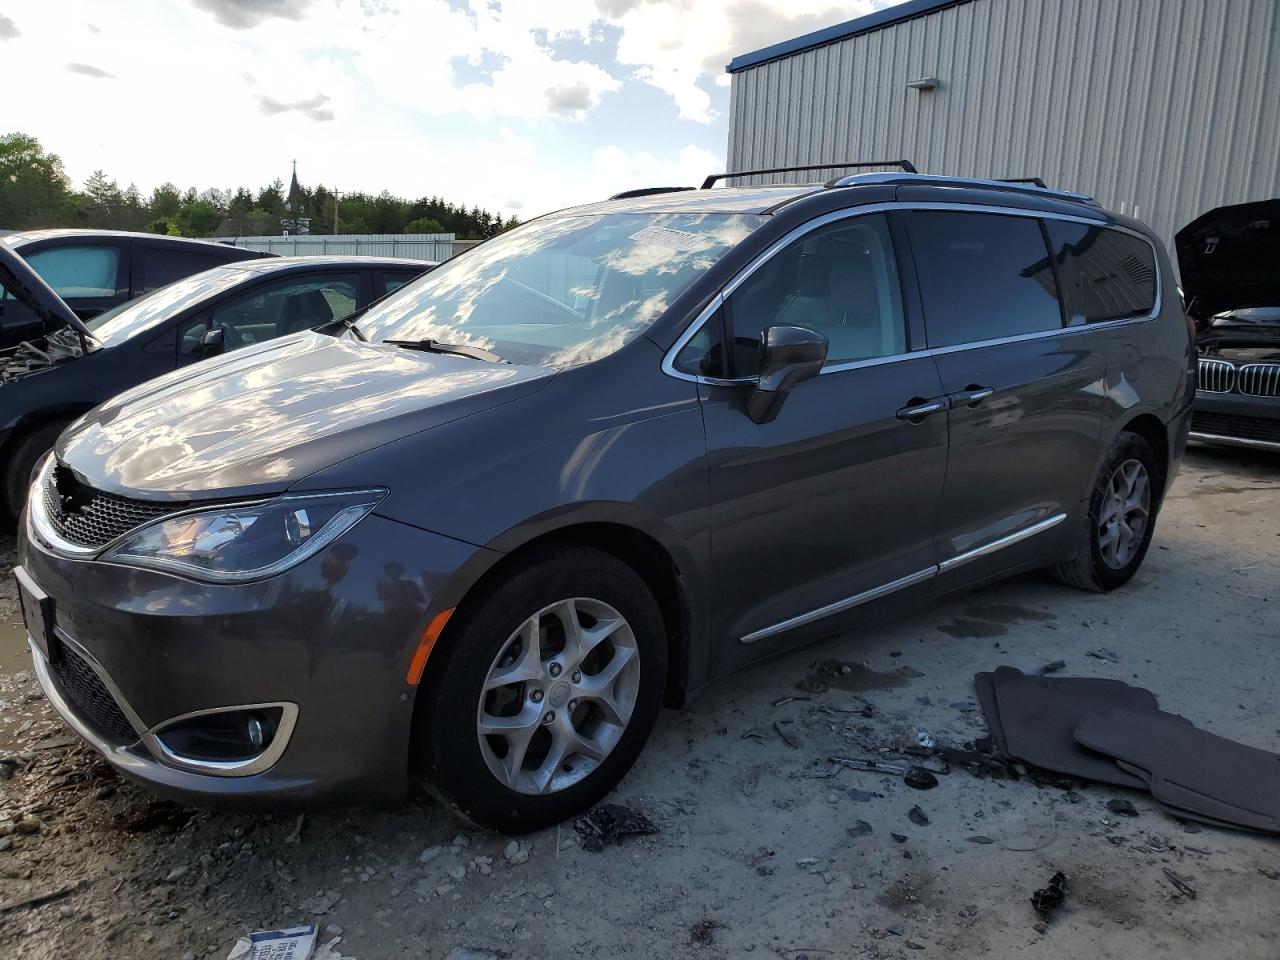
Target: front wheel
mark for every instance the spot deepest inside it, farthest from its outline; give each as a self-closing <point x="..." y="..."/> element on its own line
<point x="545" y="690"/>
<point x="26" y="453"/>
<point x="1117" y="531"/>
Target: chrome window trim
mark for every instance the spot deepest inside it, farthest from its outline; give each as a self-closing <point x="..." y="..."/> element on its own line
<point x="669" y="358"/>
<point x="920" y="576"/>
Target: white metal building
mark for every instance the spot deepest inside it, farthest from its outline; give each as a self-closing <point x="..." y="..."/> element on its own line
<point x="1162" y="109"/>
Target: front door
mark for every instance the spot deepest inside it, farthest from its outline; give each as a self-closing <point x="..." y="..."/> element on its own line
<point x="1026" y="392"/>
<point x="833" y="503"/>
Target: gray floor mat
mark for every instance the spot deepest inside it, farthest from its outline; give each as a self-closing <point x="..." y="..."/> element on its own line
<point x="1039" y="717"/>
<point x="984" y="684"/>
<point x="1177" y="812"/>
<point x="1190" y="769"/>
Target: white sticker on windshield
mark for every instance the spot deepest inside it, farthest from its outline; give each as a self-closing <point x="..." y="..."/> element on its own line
<point x="677" y="240"/>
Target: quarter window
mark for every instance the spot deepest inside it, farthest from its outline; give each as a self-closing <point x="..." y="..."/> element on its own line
<point x="983" y="276"/>
<point x="840" y="280"/>
<point x="1106" y="274"/>
<point x="76" y="272"/>
<point x="162" y="267"/>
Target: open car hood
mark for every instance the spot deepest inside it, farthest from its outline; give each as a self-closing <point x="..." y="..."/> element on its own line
<point x="27" y="287"/>
<point x="66" y="337"/>
<point x="1228" y="258"/>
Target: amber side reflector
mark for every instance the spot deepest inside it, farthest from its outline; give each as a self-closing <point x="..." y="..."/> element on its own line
<point x="429" y="638"/>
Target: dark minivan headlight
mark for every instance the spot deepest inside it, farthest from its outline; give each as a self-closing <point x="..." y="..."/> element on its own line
<point x="231" y="544"/>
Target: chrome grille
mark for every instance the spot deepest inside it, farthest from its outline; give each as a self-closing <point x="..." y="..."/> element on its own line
<point x="90" y="517"/>
<point x="1258" y="379"/>
<point x="1216" y="376"/>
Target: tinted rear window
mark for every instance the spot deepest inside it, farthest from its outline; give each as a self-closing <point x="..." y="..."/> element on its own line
<point x="1106" y="274"/>
<point x="161" y="267"/>
<point x="983" y="276"/>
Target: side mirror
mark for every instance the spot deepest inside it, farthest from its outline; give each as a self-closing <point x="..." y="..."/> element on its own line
<point x="788" y="355"/>
<point x="212" y="343"/>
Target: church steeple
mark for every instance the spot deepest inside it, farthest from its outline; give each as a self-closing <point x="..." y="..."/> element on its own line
<point x="295" y="205"/>
<point x="293" y="199"/>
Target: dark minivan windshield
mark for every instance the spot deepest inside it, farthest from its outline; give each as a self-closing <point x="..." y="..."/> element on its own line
<point x="560" y="291"/>
<point x="129" y="319"/>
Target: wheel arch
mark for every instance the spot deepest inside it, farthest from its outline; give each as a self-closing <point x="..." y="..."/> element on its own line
<point x="1151" y="429"/>
<point x="659" y="564"/>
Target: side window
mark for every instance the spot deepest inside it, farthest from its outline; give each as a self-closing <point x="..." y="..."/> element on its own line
<point x="1105" y="274"/>
<point x="703" y="355"/>
<point x="275" y="309"/>
<point x="76" y="272"/>
<point x="394" y="281"/>
<point x="840" y="280"/>
<point x="983" y="276"/>
<point x="161" y="267"/>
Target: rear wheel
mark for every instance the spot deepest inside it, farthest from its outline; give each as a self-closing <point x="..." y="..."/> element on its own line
<point x="545" y="690"/>
<point x="25" y="454"/>
<point x="1121" y="520"/>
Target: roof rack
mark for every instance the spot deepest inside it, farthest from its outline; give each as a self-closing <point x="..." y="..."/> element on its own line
<point x="905" y="165"/>
<point x="1028" y="185"/>
<point x="1034" y="181"/>
<point x="647" y="192"/>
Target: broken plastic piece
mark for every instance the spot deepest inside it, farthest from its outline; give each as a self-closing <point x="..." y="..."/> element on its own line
<point x="1050" y="897"/>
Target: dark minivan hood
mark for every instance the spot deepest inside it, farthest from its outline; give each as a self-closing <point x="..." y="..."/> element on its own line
<point x="258" y="420"/>
<point x="1228" y="259"/>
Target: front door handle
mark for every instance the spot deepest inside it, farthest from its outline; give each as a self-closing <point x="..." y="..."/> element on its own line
<point x="917" y="411"/>
<point x="971" y="397"/>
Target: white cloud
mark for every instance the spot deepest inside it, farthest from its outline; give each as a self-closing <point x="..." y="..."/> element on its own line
<point x="675" y="44"/>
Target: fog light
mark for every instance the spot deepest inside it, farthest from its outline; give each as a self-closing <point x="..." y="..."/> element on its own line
<point x="225" y="736"/>
<point x="257" y="733"/>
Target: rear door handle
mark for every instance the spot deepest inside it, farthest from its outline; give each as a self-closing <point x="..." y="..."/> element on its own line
<point x="918" y="411"/>
<point x="971" y="397"/>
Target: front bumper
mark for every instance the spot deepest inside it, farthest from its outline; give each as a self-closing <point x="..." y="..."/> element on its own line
<point x="331" y="639"/>
<point x="1237" y="420"/>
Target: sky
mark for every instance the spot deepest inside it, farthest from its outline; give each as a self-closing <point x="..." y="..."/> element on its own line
<point x="517" y="107"/>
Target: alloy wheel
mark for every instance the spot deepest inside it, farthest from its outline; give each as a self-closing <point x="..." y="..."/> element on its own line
<point x="1125" y="513"/>
<point x="558" y="696"/>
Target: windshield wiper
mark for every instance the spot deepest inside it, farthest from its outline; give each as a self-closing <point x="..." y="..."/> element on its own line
<point x="458" y="349"/>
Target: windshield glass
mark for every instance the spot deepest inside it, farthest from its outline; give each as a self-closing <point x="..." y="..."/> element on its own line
<point x="560" y="291"/>
<point x="129" y="319"/>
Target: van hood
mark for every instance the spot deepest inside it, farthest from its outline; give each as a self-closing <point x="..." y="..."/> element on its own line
<point x="1227" y="258"/>
<point x="259" y="420"/>
<point x="66" y="336"/>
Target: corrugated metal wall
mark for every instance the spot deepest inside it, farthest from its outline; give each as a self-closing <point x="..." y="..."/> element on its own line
<point x="1161" y="109"/>
<point x="415" y="246"/>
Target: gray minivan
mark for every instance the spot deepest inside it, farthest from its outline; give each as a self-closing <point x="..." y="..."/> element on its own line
<point x="483" y="531"/>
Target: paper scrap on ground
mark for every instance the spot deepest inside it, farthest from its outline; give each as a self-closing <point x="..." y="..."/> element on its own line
<point x="296" y="943"/>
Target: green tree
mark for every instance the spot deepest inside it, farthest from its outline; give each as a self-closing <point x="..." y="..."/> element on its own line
<point x="198" y="218"/>
<point x="424" y="225"/>
<point x="165" y="201"/>
<point x="34" y="189"/>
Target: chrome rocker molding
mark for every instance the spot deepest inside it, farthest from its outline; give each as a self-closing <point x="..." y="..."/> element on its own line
<point x="125" y="756"/>
<point x="875" y="593"/>
<point x="1235" y="441"/>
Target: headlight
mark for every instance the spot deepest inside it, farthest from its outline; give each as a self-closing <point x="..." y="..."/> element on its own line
<point x="237" y="543"/>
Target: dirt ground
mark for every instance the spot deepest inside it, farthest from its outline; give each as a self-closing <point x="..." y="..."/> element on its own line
<point x="759" y="850"/>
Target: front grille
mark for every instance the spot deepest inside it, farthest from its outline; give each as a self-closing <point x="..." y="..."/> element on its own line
<point x="85" y="691"/>
<point x="1259" y="379"/>
<point x="1234" y="425"/>
<point x="1216" y="376"/>
<point x="90" y="517"/>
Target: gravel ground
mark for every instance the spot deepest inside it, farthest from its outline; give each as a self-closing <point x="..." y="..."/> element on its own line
<point x="757" y="853"/>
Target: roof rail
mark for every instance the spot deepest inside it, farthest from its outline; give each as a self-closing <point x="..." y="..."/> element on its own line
<point x="1027" y="186"/>
<point x="906" y="165"/>
<point x="1034" y="181"/>
<point x="647" y="192"/>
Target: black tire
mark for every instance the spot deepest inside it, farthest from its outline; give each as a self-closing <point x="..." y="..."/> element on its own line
<point x="1087" y="569"/>
<point x="25" y="454"/>
<point x="449" y="700"/>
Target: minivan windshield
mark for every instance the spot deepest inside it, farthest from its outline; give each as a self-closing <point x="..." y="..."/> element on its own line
<point x="561" y="290"/>
<point x="129" y="319"/>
